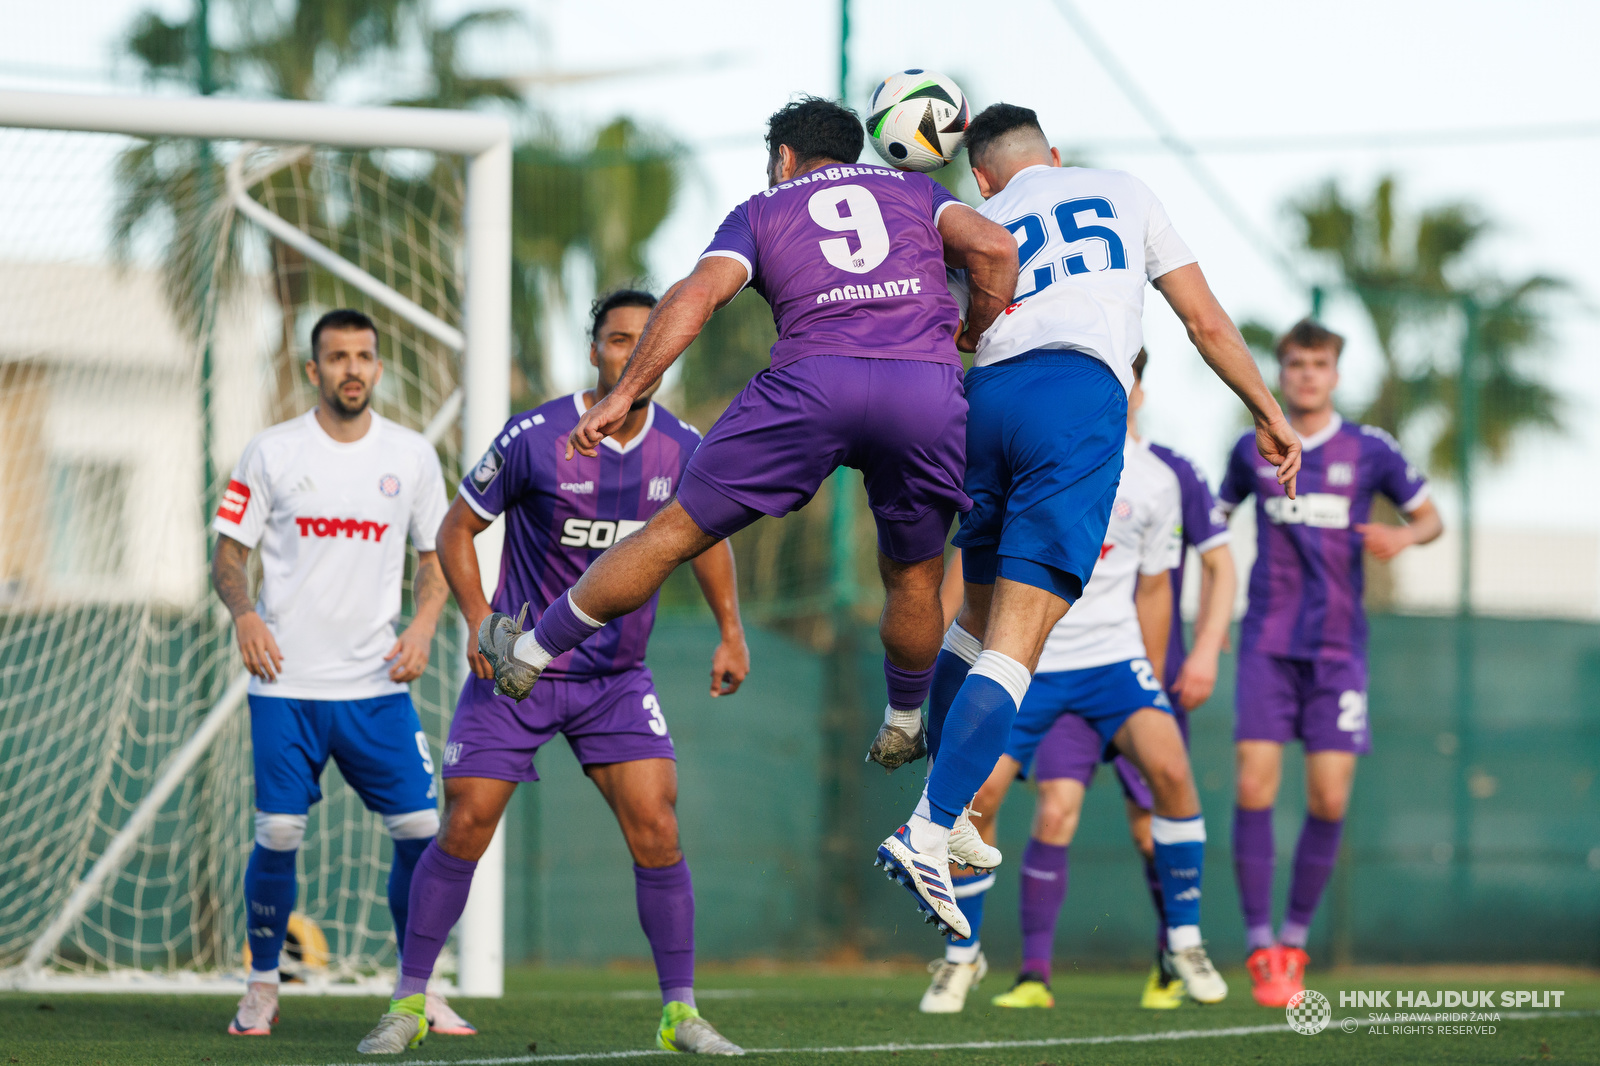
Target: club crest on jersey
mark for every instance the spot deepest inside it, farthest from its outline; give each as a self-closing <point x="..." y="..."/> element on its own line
<point x="488" y="468"/>
<point x="1122" y="509"/>
<point x="660" y="489"/>
<point x="389" y="485"/>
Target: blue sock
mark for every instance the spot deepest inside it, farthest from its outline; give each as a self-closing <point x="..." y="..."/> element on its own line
<point x="1180" y="857"/>
<point x="971" y="890"/>
<point x="977" y="727"/>
<point x="269" y="890"/>
<point x="406" y="854"/>
<point x="949" y="671"/>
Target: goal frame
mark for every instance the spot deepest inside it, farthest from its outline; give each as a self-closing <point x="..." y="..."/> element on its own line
<point x="483" y="404"/>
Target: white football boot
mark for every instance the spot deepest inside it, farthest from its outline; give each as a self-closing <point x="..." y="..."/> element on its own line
<point x="927" y="877"/>
<point x="947" y="993"/>
<point x="967" y="847"/>
<point x="1200" y="979"/>
<point x="258" y="1010"/>
<point x="443" y="1019"/>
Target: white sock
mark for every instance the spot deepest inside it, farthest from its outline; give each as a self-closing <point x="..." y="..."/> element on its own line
<point x="924" y="809"/>
<point x="1004" y="671"/>
<point x="966" y="954"/>
<point x="263" y="977"/>
<point x="959" y="642"/>
<point x="530" y="651"/>
<point x="928" y="837"/>
<point x="1182" y="937"/>
<point x="910" y="721"/>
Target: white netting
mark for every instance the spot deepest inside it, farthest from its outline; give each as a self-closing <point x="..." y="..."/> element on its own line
<point x="112" y="647"/>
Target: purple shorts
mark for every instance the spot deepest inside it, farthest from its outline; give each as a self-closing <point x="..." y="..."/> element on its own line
<point x="615" y="718"/>
<point x="901" y="422"/>
<point x="1320" y="702"/>
<point x="1073" y="749"/>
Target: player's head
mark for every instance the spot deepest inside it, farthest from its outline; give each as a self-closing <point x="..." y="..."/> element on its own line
<point x="1003" y="139"/>
<point x="344" y="364"/>
<point x="807" y="132"/>
<point x="1308" y="367"/>
<point x="617" y="320"/>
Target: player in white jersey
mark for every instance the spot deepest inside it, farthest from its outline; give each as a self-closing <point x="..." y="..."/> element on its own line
<point x="330" y="499"/>
<point x="1046" y="425"/>
<point x="1101" y="667"/>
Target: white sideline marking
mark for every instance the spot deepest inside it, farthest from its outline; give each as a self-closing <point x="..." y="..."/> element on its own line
<point x="969" y="1045"/>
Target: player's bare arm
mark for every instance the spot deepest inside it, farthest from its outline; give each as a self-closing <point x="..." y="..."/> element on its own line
<point x="1224" y="350"/>
<point x="458" y="560"/>
<point x="411" y="648"/>
<point x="1197" y="678"/>
<point x="230" y="576"/>
<point x="730" y="663"/>
<point x="988" y="253"/>
<point x="674" y="324"/>
<point x="1384" y="541"/>
<point x="1152" y="601"/>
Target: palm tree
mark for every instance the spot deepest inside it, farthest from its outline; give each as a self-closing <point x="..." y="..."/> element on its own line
<point x="1412" y="276"/>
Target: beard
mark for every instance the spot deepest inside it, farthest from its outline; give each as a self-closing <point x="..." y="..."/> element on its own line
<point x="336" y="401"/>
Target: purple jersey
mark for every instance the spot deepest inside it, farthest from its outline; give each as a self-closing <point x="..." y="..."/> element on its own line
<point x="1305" y="588"/>
<point x="561" y="515"/>
<point x="1204" y="527"/>
<point x="851" y="261"/>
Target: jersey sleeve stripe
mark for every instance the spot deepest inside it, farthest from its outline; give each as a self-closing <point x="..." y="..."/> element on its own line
<point x="483" y="513"/>
<point x="1416" y="501"/>
<point x="1225" y="537"/>
<point x="728" y="253"/>
<point x="939" y="211"/>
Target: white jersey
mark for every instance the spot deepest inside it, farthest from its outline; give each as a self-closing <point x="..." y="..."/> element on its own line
<point x="1145" y="536"/>
<point x="1087" y="241"/>
<point x="331" y="520"/>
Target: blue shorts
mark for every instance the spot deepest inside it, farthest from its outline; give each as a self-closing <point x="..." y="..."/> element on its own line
<point x="1103" y="696"/>
<point x="378" y="744"/>
<point x="1045" y="433"/>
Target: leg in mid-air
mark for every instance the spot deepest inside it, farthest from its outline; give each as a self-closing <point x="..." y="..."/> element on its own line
<point x="643" y="793"/>
<point x="1151" y="740"/>
<point x="909" y="629"/>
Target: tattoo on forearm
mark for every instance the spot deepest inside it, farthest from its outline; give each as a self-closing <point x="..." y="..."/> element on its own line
<point x="428" y="587"/>
<point x="230" y="577"/>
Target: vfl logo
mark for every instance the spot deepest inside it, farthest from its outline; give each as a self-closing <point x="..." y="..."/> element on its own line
<point x="234" y="502"/>
<point x="578" y="487"/>
<point x="1341" y="474"/>
<point x="592" y="533"/>
<point x="389" y="485"/>
<point x="452" y="753"/>
<point x="660" y="489"/>
<point x="333" y="527"/>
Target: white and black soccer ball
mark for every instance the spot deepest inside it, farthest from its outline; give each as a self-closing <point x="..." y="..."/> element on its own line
<point x="917" y="120"/>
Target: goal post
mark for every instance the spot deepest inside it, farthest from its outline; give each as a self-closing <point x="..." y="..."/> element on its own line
<point x="477" y="265"/>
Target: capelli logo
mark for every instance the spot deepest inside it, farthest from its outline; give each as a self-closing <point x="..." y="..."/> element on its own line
<point x="581" y="488"/>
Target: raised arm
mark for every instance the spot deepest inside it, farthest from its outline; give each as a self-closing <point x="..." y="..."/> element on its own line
<point x="674" y="324"/>
<point x="730" y="663"/>
<point x="1214" y="334"/>
<point x="459" y="561"/>
<point x="1152" y="601"/>
<point x="231" y="578"/>
<point x="988" y="253"/>
<point x="1218" y="584"/>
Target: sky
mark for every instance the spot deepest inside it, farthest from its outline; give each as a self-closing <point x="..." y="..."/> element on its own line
<point x="1355" y="90"/>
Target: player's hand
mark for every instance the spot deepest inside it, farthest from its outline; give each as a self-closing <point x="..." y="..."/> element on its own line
<point x="1384" y="541"/>
<point x="257" y="647"/>
<point x="480" y="666"/>
<point x="967" y="341"/>
<point x="1197" y="678"/>
<point x="730" y="665"/>
<point x="409" y="655"/>
<point x="1279" y="445"/>
<point x="598" y="423"/>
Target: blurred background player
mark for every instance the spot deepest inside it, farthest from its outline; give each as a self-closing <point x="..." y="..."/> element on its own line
<point x="865" y="374"/>
<point x="1045" y="443"/>
<point x="330" y="498"/>
<point x="1099" y="674"/>
<point x="560" y="516"/>
<point x="1303" y="641"/>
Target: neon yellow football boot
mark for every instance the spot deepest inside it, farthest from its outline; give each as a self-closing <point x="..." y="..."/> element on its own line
<point x="405" y="1026"/>
<point x="682" y="1029"/>
<point x="1162" y="990"/>
<point x="1029" y="991"/>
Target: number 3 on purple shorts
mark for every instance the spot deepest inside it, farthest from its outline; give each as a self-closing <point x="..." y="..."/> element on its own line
<point x="658" y="722"/>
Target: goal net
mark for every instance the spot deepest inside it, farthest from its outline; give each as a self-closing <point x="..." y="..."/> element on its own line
<point x="155" y="301"/>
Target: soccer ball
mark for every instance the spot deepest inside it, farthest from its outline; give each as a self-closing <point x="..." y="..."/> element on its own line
<point x="918" y="120"/>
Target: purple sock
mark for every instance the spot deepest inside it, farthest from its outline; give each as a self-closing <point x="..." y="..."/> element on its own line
<point x="1044" y="888"/>
<point x="1314" y="857"/>
<point x="907" y="688"/>
<point x="666" y="913"/>
<point x="1152" y="880"/>
<point x="439" y="888"/>
<point x="1253" y="860"/>
<point x="560" y="630"/>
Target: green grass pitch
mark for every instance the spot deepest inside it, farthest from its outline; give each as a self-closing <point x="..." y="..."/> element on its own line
<point x="809" y="1017"/>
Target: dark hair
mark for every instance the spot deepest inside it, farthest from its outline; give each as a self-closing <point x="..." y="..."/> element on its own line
<point x="1308" y="333"/>
<point x="341" y="318"/>
<point x="607" y="302"/>
<point x="816" y="129"/>
<point x="994" y="122"/>
<point x="1139" y="363"/>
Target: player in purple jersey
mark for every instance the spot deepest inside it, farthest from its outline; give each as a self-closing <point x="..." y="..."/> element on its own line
<point x="1303" y="642"/>
<point x="865" y="374"/>
<point x="560" y="516"/>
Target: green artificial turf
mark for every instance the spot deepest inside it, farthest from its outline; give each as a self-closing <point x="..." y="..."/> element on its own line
<point x="563" y="1013"/>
